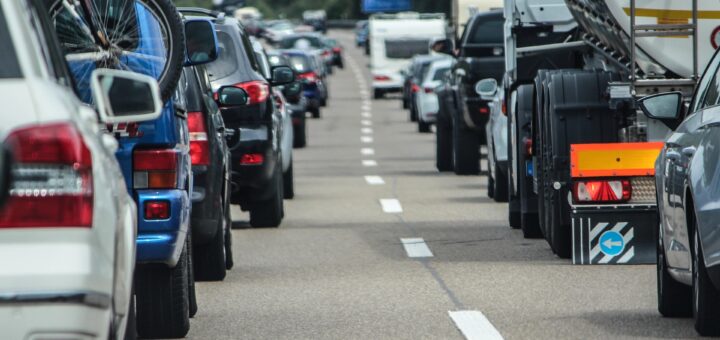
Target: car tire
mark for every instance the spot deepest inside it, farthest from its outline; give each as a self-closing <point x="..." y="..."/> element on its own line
<point x="424" y="127"/>
<point x="705" y="297"/>
<point x="289" y="183"/>
<point x="466" y="155"/>
<point x="300" y="134"/>
<point x="315" y="112"/>
<point x="443" y="147"/>
<point x="163" y="304"/>
<point x="500" y="190"/>
<point x="674" y="298"/>
<point x="192" y="297"/>
<point x="210" y="258"/>
<point x="490" y="186"/>
<point x="378" y="93"/>
<point x="269" y="213"/>
<point x="323" y="102"/>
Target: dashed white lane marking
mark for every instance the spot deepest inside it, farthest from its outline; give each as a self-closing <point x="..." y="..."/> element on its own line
<point x="474" y="325"/>
<point x="366" y="114"/>
<point x="366" y="139"/>
<point x="391" y="205"/>
<point x="365" y="122"/>
<point x="416" y="247"/>
<point x="366" y="130"/>
<point x="369" y="162"/>
<point x="365" y="107"/>
<point x="367" y="151"/>
<point x="374" y="180"/>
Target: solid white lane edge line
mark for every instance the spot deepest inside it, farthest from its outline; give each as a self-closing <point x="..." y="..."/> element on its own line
<point x="367" y="151"/>
<point x="474" y="325"/>
<point x="366" y="139"/>
<point x="366" y="130"/>
<point x="391" y="205"/>
<point x="369" y="162"/>
<point x="416" y="247"/>
<point x="374" y="180"/>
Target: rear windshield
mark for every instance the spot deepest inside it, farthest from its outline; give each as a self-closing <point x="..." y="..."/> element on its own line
<point x="227" y="61"/>
<point x="423" y="70"/>
<point x="300" y="63"/>
<point x="405" y="49"/>
<point x="10" y="67"/>
<point x="487" y="32"/>
<point x="440" y="73"/>
<point x="297" y="42"/>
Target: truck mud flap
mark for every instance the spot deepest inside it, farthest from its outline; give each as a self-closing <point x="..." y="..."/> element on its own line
<point x="610" y="235"/>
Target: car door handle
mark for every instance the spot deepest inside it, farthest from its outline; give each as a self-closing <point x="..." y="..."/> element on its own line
<point x="689" y="151"/>
<point x="673" y="156"/>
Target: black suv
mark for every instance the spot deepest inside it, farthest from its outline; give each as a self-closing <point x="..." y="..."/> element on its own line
<point x="252" y="130"/>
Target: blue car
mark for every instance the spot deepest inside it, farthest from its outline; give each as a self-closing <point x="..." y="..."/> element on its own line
<point x="154" y="156"/>
<point x="312" y="74"/>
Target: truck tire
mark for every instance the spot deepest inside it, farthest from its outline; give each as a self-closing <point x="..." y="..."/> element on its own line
<point x="162" y="301"/>
<point x="289" y="183"/>
<point x="514" y="214"/>
<point x="674" y="298"/>
<point x="209" y="258"/>
<point x="466" y="151"/>
<point x="443" y="146"/>
<point x="424" y="127"/>
<point x="706" y="310"/>
<point x="269" y="213"/>
<point x="526" y="197"/>
<point x="500" y="184"/>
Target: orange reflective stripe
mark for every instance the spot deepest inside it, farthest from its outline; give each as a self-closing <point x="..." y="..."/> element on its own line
<point x="614" y="159"/>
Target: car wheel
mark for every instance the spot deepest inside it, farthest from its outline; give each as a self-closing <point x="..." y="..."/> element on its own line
<point x="443" y="147"/>
<point x="315" y="112"/>
<point x="210" y="258"/>
<point x="192" y="298"/>
<point x="501" y="185"/>
<point x="229" y="262"/>
<point x="674" y="298"/>
<point x="378" y="94"/>
<point x="490" y="186"/>
<point x="269" y="213"/>
<point x="300" y="134"/>
<point x="466" y="155"/>
<point x="424" y="127"/>
<point x="289" y="183"/>
<point x="706" y="309"/>
<point x="163" y="304"/>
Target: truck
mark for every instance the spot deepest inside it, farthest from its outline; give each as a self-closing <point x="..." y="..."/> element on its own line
<point x="581" y="153"/>
<point x="394" y="40"/>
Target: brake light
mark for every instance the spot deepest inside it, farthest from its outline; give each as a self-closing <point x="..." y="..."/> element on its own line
<point x="504" y="108"/>
<point x="602" y="191"/>
<point x="428" y="90"/>
<point x="414" y="88"/>
<point x="326" y="53"/>
<point x="337" y="49"/>
<point x="157" y="210"/>
<point x="528" y="146"/>
<point x="252" y="159"/>
<point x="155" y="169"/>
<point x="381" y="78"/>
<point x="258" y="91"/>
<point x="310" y="77"/>
<point x="52" y="180"/>
<point x="484" y="110"/>
<point x="199" y="145"/>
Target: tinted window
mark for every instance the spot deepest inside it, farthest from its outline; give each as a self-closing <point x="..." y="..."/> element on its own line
<point x="440" y="73"/>
<point x="709" y="88"/>
<point x="486" y="32"/>
<point x="227" y="61"/>
<point x="297" y="42"/>
<point x="10" y="66"/>
<point x="405" y="49"/>
<point x="300" y="63"/>
<point x="193" y="94"/>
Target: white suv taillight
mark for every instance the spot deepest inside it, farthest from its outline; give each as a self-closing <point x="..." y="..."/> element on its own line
<point x="52" y="178"/>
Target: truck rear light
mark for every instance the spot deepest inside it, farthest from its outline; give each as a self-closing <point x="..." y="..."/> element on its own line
<point x="157" y="210"/>
<point x="257" y="90"/>
<point x="252" y="159"/>
<point x="528" y="146"/>
<point x="199" y="145"/>
<point x="381" y="78"/>
<point x="155" y="169"/>
<point x="52" y="180"/>
<point x="602" y="191"/>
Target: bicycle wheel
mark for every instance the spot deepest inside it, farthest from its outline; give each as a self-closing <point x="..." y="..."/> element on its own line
<point x="144" y="36"/>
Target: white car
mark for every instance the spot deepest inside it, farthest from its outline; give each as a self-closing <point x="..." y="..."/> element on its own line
<point x="426" y="101"/>
<point x="67" y="231"/>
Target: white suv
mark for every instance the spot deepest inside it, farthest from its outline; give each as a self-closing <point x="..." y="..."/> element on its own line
<point x="67" y="231"/>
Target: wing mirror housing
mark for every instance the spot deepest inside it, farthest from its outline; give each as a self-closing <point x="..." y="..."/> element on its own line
<point x="486" y="88"/>
<point x="443" y="45"/>
<point x="293" y="89"/>
<point x="124" y="96"/>
<point x="664" y="107"/>
<point x="201" y="44"/>
<point x="282" y="75"/>
<point x="229" y="96"/>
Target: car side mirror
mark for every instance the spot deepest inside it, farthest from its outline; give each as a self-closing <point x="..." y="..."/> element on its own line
<point x="293" y="89"/>
<point x="282" y="75"/>
<point x="665" y="107"/>
<point x="6" y="165"/>
<point x="200" y="42"/>
<point x="231" y="96"/>
<point x="443" y="45"/>
<point x="124" y="96"/>
<point x="486" y="88"/>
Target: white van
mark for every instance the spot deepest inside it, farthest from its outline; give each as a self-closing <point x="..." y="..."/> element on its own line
<point x="394" y="40"/>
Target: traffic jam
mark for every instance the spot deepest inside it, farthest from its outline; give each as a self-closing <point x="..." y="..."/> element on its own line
<point x="524" y="169"/>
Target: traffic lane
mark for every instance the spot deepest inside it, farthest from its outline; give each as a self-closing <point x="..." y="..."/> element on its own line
<point x="524" y="289"/>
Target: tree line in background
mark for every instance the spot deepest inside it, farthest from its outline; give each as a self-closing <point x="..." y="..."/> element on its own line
<point x="336" y="9"/>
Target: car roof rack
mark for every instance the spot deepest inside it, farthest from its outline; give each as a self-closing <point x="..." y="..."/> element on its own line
<point x="219" y="16"/>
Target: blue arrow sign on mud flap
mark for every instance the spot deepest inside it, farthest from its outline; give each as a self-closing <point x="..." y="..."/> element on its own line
<point x="612" y="243"/>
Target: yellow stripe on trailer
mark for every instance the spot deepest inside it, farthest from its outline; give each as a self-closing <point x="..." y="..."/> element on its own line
<point x="614" y="159"/>
<point x="672" y="14"/>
